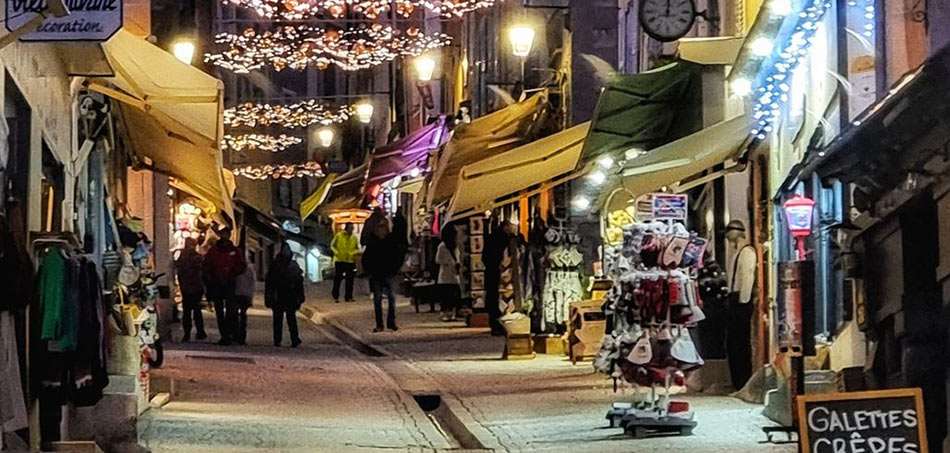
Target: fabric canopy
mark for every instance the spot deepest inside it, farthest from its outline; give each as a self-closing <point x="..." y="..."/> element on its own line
<point x="480" y="183"/>
<point x="172" y="114"/>
<point x="346" y="192"/>
<point x="412" y="151"/>
<point x="721" y="50"/>
<point x="683" y="158"/>
<point x="317" y="197"/>
<point x="484" y="136"/>
<point x="647" y="110"/>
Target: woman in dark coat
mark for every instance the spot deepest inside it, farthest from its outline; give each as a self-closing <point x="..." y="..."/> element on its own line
<point x="284" y="294"/>
<point x="381" y="261"/>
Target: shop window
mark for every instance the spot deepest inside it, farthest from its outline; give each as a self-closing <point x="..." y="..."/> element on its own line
<point x="53" y="186"/>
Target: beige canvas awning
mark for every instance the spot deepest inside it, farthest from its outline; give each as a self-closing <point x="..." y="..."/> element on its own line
<point x="682" y="159"/>
<point x="484" y="137"/>
<point x="171" y="114"/>
<point x="508" y="173"/>
<point x="721" y="50"/>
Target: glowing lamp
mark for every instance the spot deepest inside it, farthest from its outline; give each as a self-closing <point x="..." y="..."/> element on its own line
<point x="521" y="37"/>
<point x="798" y="214"/>
<point x="184" y="51"/>
<point x="364" y="112"/>
<point x="425" y="67"/>
<point x="325" y="136"/>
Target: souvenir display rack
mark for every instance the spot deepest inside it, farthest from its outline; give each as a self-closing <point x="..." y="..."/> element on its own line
<point x="652" y="305"/>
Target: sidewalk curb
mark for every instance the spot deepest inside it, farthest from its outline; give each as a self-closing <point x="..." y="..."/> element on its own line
<point x="315" y="316"/>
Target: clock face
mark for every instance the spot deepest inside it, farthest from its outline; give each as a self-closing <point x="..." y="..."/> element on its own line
<point x="667" y="20"/>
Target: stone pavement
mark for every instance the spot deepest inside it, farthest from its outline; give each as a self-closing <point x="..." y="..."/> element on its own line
<point x="545" y="404"/>
<point x="321" y="396"/>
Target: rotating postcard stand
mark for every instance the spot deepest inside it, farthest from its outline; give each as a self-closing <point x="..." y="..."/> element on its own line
<point x="653" y="303"/>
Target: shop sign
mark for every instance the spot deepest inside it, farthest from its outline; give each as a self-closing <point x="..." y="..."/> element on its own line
<point x="643" y="208"/>
<point x="883" y="421"/>
<point x="669" y="206"/>
<point x="88" y="20"/>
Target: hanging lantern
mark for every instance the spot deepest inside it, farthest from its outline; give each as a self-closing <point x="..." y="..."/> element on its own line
<point x="799" y="212"/>
<point x="325" y="136"/>
<point x="521" y="37"/>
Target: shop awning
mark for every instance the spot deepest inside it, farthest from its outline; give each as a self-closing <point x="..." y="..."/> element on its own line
<point x="723" y="50"/>
<point x="410" y="152"/>
<point x="646" y="110"/>
<point x="317" y="198"/>
<point x="171" y="113"/>
<point x="485" y="136"/>
<point x="346" y="192"/>
<point x="682" y="159"/>
<point x="903" y="133"/>
<point x="481" y="183"/>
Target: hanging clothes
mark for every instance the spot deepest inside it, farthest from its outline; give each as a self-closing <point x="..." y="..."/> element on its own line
<point x="12" y="404"/>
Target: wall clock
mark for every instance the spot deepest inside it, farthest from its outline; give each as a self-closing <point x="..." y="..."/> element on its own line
<point x="667" y="20"/>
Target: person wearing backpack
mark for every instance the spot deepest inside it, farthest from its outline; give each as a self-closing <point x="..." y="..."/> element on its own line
<point x="222" y="265"/>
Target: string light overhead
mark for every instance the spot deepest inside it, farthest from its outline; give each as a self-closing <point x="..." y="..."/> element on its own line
<point x="262" y="142"/>
<point x="300" y="46"/>
<point x="292" y="116"/>
<point x="264" y="172"/>
<point x="306" y="9"/>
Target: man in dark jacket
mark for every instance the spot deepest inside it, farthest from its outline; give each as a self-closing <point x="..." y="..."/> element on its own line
<point x="222" y="264"/>
<point x="284" y="293"/>
<point x="188" y="267"/>
<point x="382" y="260"/>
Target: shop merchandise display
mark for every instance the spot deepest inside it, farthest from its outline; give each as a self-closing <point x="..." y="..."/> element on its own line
<point x="70" y="363"/>
<point x="562" y="280"/>
<point x="653" y="304"/>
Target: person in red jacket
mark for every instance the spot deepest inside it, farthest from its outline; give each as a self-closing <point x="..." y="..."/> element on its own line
<point x="222" y="265"/>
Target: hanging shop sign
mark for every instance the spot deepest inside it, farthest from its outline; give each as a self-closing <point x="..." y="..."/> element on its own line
<point x="878" y="421"/>
<point x="669" y="206"/>
<point x="88" y="20"/>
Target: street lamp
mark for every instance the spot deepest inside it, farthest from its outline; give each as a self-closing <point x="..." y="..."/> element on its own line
<point x="184" y="51"/>
<point x="364" y="111"/>
<point x="521" y="37"/>
<point x="425" y="67"/>
<point x="325" y="136"/>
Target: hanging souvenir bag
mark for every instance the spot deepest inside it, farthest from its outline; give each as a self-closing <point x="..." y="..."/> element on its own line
<point x="684" y="351"/>
<point x="673" y="253"/>
<point x="642" y="351"/>
<point x="693" y="255"/>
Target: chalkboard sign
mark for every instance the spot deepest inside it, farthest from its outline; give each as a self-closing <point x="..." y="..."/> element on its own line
<point x="886" y="421"/>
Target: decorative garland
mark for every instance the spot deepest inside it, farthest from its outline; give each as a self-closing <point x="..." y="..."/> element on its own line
<point x="261" y="142"/>
<point x="301" y="114"/>
<point x="306" y="9"/>
<point x="299" y="46"/>
<point x="774" y="92"/>
<point x="277" y="171"/>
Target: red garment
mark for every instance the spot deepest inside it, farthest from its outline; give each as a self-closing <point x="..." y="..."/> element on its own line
<point x="222" y="265"/>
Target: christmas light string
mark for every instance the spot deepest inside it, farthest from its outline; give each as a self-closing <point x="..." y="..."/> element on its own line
<point x="262" y="142"/>
<point x="306" y="9"/>
<point x="292" y="116"/>
<point x="277" y="171"/>
<point x="300" y="46"/>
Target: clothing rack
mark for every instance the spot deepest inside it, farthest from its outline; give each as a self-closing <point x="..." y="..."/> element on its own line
<point x="38" y="240"/>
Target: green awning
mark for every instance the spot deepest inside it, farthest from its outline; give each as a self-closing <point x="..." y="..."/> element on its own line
<point x="646" y="110"/>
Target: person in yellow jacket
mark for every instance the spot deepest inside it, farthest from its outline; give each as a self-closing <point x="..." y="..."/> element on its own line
<point x="345" y="247"/>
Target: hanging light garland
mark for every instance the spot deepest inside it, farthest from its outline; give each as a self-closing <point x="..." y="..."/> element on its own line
<point x="305" y="9"/>
<point x="262" y="142"/>
<point x="292" y="116"/>
<point x="299" y="46"/>
<point x="278" y="171"/>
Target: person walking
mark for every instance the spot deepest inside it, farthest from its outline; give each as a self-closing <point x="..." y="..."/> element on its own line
<point x="222" y="264"/>
<point x="345" y="247"/>
<point x="283" y="294"/>
<point x="382" y="261"/>
<point x="244" y="289"/>
<point x="448" y="281"/>
<point x="191" y="285"/>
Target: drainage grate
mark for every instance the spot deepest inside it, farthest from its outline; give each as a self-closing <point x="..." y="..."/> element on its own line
<point x="447" y="422"/>
<point x="355" y="343"/>
<point x="222" y="358"/>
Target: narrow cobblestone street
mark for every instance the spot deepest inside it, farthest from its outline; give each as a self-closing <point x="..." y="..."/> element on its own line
<point x="333" y="394"/>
